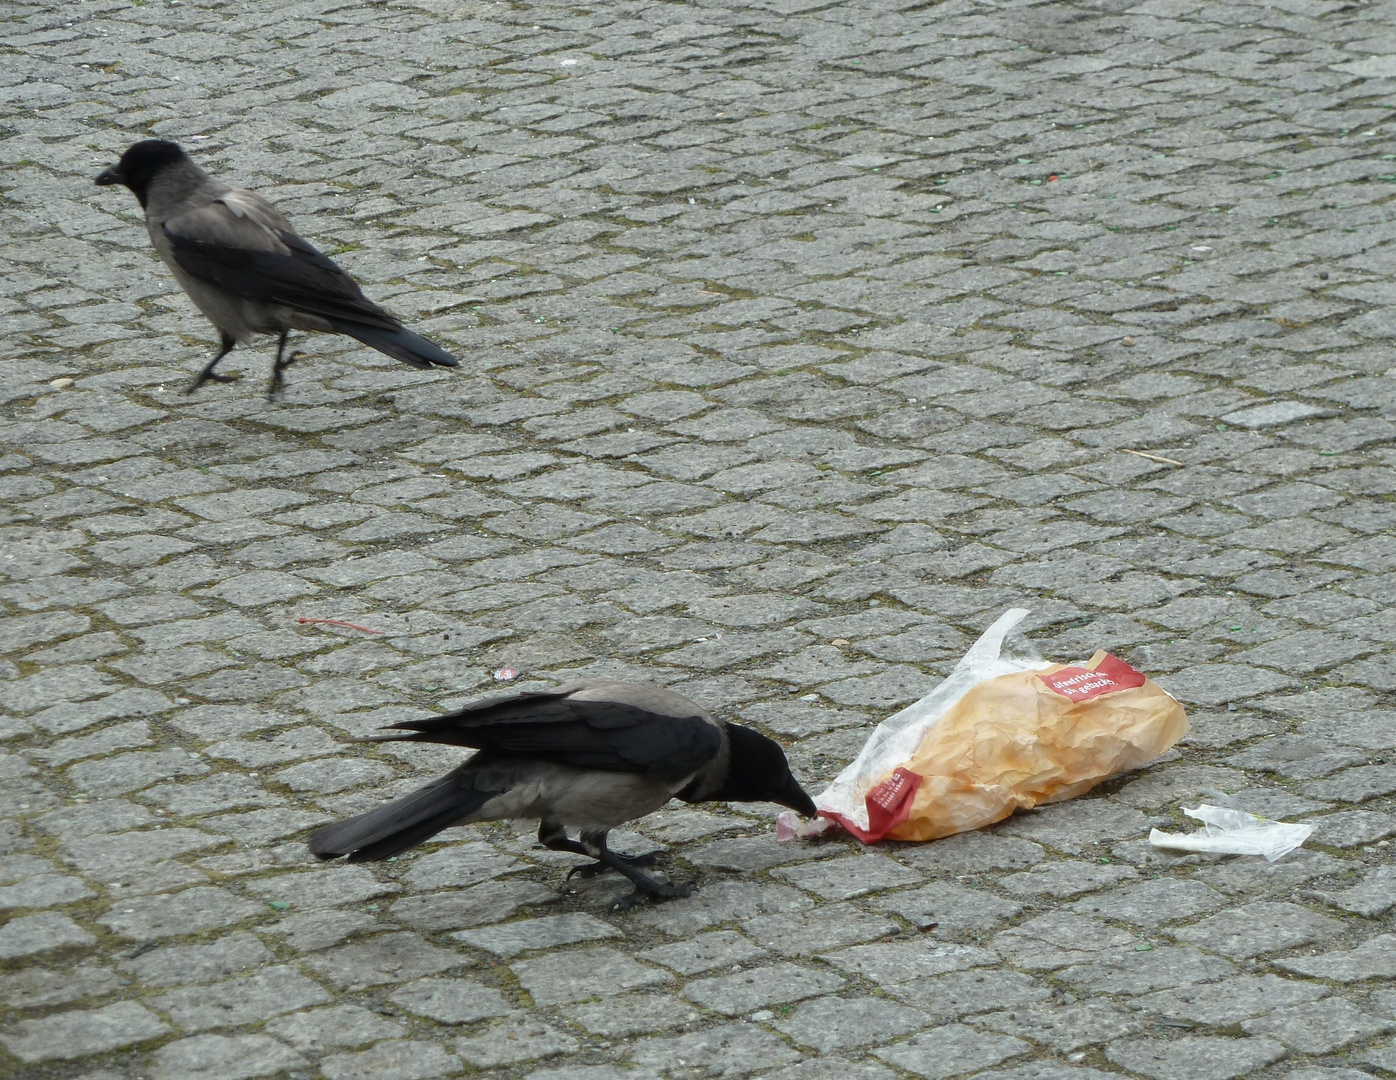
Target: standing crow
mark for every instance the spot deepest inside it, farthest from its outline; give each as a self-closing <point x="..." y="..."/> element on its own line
<point x="590" y="755"/>
<point x="246" y="269"/>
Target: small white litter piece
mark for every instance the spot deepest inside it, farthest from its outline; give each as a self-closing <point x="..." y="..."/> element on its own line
<point x="1227" y="831"/>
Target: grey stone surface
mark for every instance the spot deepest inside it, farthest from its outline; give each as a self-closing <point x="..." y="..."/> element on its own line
<point x="1065" y="879"/>
<point x="452" y="1001"/>
<point x="1044" y="1070"/>
<point x="906" y="961"/>
<point x="1065" y="1027"/>
<point x="1230" y="1001"/>
<point x="1383" y="1056"/>
<point x="392" y="1060"/>
<point x="529" y="934"/>
<point x="776" y="984"/>
<point x="1195" y="1057"/>
<point x="1239" y="878"/>
<point x="1057" y="939"/>
<point x="388" y="958"/>
<point x="817" y="930"/>
<point x="732" y="1049"/>
<point x="585" y="973"/>
<point x="82" y="1032"/>
<point x="633" y="1014"/>
<point x="720" y="948"/>
<point x="187" y="912"/>
<point x="965" y="993"/>
<point x="1350" y="828"/>
<point x="30" y="934"/>
<point x="174" y="965"/>
<point x="833" y="1067"/>
<point x="1375" y="958"/>
<point x="1073" y="826"/>
<point x="516" y="1037"/>
<point x="270" y="992"/>
<point x="1373" y="895"/>
<point x="1153" y="903"/>
<point x="948" y="909"/>
<point x="831" y="1024"/>
<point x="799" y="340"/>
<point x="313" y="1030"/>
<point x="33" y="987"/>
<point x="1140" y="968"/>
<point x="1262" y="927"/>
<point x="843" y="879"/>
<point x="238" y="1057"/>
<point x="952" y="1049"/>
<point x="1319" y="1027"/>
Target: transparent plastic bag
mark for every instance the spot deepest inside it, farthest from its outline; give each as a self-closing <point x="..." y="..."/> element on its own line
<point x="1005" y="731"/>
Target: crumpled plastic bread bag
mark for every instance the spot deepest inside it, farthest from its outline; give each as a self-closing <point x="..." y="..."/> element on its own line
<point x="1005" y="731"/>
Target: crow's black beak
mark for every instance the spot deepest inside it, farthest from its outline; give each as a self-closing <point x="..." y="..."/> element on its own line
<point x="795" y="797"/>
<point x="109" y="176"/>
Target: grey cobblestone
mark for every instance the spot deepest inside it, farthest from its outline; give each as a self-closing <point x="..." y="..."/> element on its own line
<point x="237" y="1057"/>
<point x="1196" y="1057"/>
<point x="952" y="1049"/>
<point x="726" y="1050"/>
<point x="517" y="1037"/>
<point x="392" y="1060"/>
<point x="388" y="958"/>
<point x="1320" y="1027"/>
<point x="799" y="340"/>
<point x="39" y="933"/>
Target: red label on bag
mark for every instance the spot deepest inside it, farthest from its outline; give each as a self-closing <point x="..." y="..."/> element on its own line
<point x="889" y="804"/>
<point x="1082" y="684"/>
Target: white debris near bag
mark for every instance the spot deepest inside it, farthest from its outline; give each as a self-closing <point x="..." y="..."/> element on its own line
<point x="1234" y="832"/>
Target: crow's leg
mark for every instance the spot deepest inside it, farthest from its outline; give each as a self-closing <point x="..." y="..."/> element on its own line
<point x="593" y="842"/>
<point x="649" y="858"/>
<point x="281" y="365"/>
<point x="226" y="343"/>
<point x="554" y="836"/>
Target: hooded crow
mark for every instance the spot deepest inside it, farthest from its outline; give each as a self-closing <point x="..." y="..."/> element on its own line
<point x="591" y="755"/>
<point x="246" y="269"/>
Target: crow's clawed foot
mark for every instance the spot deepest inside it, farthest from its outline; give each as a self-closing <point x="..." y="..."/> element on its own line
<point x="591" y="869"/>
<point x="277" y="369"/>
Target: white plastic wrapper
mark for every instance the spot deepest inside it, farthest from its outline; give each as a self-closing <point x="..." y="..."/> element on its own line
<point x="1227" y="831"/>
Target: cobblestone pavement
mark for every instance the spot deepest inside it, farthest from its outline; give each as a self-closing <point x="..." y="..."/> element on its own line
<point x="801" y="339"/>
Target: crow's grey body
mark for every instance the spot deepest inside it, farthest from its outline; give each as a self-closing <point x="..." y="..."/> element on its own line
<point x="190" y="206"/>
<point x="243" y="265"/>
<point x="591" y="755"/>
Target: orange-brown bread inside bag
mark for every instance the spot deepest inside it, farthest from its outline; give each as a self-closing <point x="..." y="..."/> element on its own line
<point x="1014" y="742"/>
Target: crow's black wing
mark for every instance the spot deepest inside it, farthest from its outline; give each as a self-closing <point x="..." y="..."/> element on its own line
<point x="628" y="728"/>
<point x="240" y="242"/>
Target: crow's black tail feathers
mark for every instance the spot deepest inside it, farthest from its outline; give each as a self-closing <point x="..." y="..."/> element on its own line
<point x="396" y="826"/>
<point x="399" y="343"/>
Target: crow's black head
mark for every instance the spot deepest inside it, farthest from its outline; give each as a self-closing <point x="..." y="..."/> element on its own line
<point x="139" y="165"/>
<point x="758" y="772"/>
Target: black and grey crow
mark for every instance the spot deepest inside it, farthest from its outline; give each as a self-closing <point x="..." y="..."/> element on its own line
<point x="246" y="269"/>
<point x="590" y="755"/>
